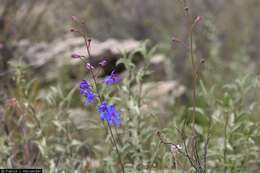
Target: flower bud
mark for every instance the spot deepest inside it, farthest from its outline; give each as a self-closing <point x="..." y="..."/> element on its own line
<point x="74" y="18"/>
<point x="198" y="19"/>
<point x="75" y="56"/>
<point x="89" y="66"/>
<point x="103" y="63"/>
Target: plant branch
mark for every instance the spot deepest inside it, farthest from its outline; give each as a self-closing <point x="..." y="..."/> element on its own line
<point x="114" y="141"/>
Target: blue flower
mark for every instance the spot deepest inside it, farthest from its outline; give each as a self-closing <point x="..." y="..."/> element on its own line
<point x="108" y="113"/>
<point x="86" y="91"/>
<point x="113" y="78"/>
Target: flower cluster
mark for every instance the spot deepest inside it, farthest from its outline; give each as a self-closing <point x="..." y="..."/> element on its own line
<point x="109" y="114"/>
<point x="86" y="91"/>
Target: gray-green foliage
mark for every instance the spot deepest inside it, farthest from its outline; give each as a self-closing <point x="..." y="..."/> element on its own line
<point x="235" y="128"/>
<point x="137" y="132"/>
<point x="40" y="119"/>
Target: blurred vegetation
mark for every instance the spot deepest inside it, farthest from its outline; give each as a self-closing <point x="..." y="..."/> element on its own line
<point x="230" y="27"/>
<point x="38" y="127"/>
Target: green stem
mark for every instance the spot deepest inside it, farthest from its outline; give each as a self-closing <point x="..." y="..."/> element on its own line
<point x="194" y="152"/>
<point x="117" y="137"/>
<point x="190" y="34"/>
<point x="206" y="145"/>
<point x="154" y="156"/>
<point x="114" y="142"/>
<point x="225" y="144"/>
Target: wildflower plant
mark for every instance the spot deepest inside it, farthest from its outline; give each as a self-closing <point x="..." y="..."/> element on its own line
<point x="195" y="133"/>
<point x="191" y="150"/>
<point x="129" y="134"/>
<point x="108" y="113"/>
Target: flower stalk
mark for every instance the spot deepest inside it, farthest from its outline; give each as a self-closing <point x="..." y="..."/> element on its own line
<point x="108" y="113"/>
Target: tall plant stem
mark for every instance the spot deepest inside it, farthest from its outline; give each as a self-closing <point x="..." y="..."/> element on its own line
<point x="194" y="76"/>
<point x="114" y="141"/>
<point x="194" y="70"/>
<point x="190" y="43"/>
<point x="117" y="137"/>
<point x="194" y="83"/>
<point x="194" y="147"/>
<point x="154" y="156"/>
<point x="206" y="145"/>
<point x="110" y="130"/>
<point x="225" y="144"/>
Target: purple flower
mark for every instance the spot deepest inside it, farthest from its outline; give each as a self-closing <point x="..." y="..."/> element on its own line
<point x="108" y="113"/>
<point x="113" y="78"/>
<point x="86" y="91"/>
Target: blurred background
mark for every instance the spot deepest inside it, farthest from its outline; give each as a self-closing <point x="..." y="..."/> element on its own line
<point x="35" y="59"/>
<point x="229" y="31"/>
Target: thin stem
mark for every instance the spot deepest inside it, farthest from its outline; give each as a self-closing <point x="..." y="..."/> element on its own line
<point x="190" y="47"/>
<point x="206" y="145"/>
<point x="192" y="162"/>
<point x="175" y="161"/>
<point x="194" y="84"/>
<point x="95" y="82"/>
<point x="186" y="154"/>
<point x="140" y="94"/>
<point x="155" y="153"/>
<point x="117" y="137"/>
<point x="194" y="76"/>
<point x="37" y="121"/>
<point x="197" y="158"/>
<point x="114" y="141"/>
<point x="225" y="144"/>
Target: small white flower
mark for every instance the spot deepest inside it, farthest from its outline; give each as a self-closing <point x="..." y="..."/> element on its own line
<point x="175" y="148"/>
